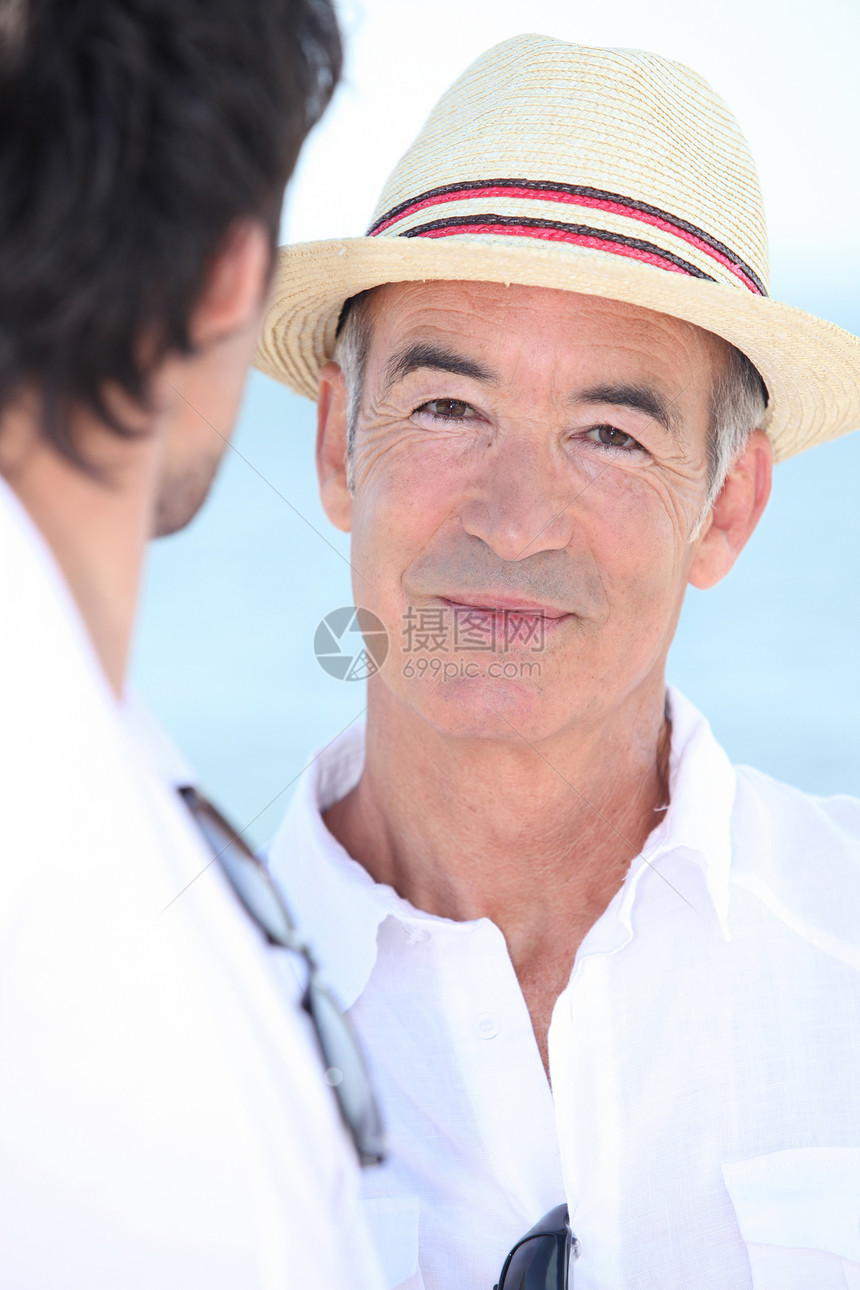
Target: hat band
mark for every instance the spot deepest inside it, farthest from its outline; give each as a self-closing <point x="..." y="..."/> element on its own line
<point x="396" y="223"/>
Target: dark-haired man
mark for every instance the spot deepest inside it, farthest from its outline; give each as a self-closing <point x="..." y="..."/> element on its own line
<point x="164" y="1117"/>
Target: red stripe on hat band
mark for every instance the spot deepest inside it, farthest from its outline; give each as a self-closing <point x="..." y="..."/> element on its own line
<point x="537" y="190"/>
<point x="595" y="241"/>
<point x="571" y="199"/>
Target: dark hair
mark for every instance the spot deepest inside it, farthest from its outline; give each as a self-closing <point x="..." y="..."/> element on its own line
<point x="135" y="133"/>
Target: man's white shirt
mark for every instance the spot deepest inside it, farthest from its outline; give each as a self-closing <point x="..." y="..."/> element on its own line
<point x="164" y="1121"/>
<point x="704" y="1120"/>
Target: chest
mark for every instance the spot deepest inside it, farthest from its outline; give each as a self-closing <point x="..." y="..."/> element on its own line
<point x="541" y="985"/>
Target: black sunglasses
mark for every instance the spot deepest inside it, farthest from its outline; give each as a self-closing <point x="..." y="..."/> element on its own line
<point x="345" y="1070"/>
<point x="544" y="1258"/>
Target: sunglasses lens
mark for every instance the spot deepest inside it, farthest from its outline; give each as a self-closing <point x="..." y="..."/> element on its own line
<point x="536" y="1264"/>
<point x="347" y="1074"/>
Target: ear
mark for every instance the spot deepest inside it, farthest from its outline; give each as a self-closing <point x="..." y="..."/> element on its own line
<point x="332" y="422"/>
<point x="735" y="513"/>
<point x="236" y="284"/>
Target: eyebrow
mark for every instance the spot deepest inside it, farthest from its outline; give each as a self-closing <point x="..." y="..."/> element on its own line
<point x="641" y="397"/>
<point x="425" y="355"/>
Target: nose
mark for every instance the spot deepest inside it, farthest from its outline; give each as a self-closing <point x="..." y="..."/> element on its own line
<point x="520" y="502"/>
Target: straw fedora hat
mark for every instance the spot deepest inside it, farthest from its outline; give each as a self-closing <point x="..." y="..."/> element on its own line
<point x="612" y="172"/>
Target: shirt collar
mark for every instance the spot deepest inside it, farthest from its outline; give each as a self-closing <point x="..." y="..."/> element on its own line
<point x="35" y="590"/>
<point x="339" y="907"/>
<point x="702" y="784"/>
<point x="336" y="904"/>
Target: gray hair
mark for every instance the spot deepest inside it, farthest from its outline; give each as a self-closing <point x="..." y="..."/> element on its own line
<point x="737" y="403"/>
<point x="351" y="348"/>
<point x="737" y="406"/>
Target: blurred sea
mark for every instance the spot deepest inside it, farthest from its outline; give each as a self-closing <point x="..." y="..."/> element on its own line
<point x="224" y="653"/>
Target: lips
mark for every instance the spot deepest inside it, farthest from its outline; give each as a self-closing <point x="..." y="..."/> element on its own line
<point x="505" y="606"/>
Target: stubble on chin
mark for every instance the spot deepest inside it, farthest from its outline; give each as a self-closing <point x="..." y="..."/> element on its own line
<point x="181" y="496"/>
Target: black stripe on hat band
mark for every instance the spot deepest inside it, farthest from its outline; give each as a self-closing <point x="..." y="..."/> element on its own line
<point x="577" y="230"/>
<point x="575" y="190"/>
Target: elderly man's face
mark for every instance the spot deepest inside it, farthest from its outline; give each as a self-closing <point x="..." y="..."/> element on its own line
<point x="528" y="468"/>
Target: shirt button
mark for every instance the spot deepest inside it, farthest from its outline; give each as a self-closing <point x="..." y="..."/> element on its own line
<point x="487" y="1026"/>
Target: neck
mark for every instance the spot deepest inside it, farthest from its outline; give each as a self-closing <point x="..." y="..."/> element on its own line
<point x="537" y="837"/>
<point x="96" y="524"/>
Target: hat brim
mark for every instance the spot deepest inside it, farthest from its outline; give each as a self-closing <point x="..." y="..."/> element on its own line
<point x="811" y="367"/>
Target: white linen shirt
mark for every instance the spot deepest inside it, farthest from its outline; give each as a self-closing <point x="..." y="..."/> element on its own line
<point x="164" y="1121"/>
<point x="704" y="1057"/>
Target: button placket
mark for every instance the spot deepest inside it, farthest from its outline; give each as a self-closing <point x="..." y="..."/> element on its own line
<point x="500" y="1066"/>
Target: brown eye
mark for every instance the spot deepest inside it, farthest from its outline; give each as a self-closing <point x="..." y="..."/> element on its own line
<point x="614" y="438"/>
<point x="451" y="409"/>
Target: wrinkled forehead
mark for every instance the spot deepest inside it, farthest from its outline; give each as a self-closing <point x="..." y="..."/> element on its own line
<point x="520" y="327"/>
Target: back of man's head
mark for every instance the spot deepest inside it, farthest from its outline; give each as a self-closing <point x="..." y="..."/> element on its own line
<point x="136" y="133"/>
